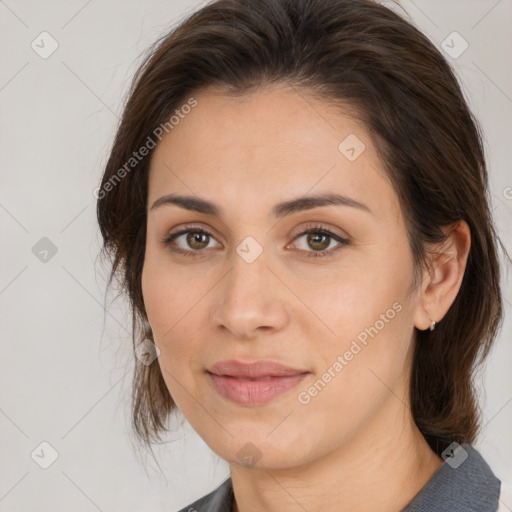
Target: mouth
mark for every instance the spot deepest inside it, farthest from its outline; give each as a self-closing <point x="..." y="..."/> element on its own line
<point x="253" y="383"/>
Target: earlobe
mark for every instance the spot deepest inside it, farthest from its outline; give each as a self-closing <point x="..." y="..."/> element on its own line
<point x="442" y="280"/>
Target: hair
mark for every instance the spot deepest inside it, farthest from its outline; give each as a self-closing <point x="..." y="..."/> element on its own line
<point x="363" y="55"/>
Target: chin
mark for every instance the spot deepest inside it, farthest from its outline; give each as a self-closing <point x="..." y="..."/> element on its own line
<point x="256" y="449"/>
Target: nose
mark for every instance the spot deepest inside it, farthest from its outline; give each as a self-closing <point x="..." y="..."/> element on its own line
<point x="250" y="300"/>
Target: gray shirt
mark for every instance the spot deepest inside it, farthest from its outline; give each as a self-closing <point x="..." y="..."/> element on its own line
<point x="467" y="486"/>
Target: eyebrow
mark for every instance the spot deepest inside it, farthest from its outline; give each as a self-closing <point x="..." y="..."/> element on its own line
<point x="278" y="211"/>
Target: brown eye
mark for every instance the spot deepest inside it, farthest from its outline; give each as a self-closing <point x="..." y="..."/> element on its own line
<point x="197" y="239"/>
<point x="190" y="242"/>
<point x="317" y="241"/>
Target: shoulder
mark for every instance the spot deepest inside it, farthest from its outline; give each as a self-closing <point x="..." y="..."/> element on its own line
<point x="463" y="483"/>
<point x="219" y="500"/>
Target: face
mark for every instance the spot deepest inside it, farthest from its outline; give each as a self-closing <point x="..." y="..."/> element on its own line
<point x="324" y="289"/>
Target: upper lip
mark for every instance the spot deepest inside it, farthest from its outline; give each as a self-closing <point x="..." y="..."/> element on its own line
<point x="254" y="369"/>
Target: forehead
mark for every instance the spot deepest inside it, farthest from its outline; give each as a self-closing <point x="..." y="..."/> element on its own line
<point x="272" y="144"/>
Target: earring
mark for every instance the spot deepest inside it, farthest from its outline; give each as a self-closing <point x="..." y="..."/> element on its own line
<point x="432" y="325"/>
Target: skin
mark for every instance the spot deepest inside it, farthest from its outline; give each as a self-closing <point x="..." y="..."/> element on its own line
<point x="354" y="445"/>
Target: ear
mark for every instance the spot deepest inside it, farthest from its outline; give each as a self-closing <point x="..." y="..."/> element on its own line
<point x="443" y="277"/>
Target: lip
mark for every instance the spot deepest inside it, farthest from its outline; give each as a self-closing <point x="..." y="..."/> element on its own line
<point x="254" y="383"/>
<point x="253" y="369"/>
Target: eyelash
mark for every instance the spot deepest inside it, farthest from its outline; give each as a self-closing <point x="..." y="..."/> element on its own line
<point x="312" y="229"/>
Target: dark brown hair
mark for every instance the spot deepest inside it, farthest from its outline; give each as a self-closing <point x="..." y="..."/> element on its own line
<point x="351" y="52"/>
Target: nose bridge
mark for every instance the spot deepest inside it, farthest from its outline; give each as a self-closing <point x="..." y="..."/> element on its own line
<point x="247" y="282"/>
<point x="249" y="271"/>
<point x="249" y="298"/>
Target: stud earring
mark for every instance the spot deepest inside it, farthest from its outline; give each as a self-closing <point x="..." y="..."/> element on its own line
<point x="432" y="325"/>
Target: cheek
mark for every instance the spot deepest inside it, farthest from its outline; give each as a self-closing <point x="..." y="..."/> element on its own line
<point x="346" y="302"/>
<point x="171" y="301"/>
<point x="357" y="368"/>
<point x="168" y="293"/>
<point x="366" y="318"/>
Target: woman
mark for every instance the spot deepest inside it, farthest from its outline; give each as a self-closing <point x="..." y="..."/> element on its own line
<point x="296" y="206"/>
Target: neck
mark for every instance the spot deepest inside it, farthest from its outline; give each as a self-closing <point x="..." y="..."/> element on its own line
<point x="381" y="468"/>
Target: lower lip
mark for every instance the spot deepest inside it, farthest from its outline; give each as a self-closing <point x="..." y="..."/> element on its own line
<point x="254" y="392"/>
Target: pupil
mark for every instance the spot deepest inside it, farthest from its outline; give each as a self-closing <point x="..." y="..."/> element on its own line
<point x="195" y="238"/>
<point x="318" y="235"/>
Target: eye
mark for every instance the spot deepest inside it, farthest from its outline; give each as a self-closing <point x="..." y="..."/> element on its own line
<point x="189" y="241"/>
<point x="320" y="240"/>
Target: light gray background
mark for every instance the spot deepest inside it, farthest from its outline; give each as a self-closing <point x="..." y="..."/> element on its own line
<point x="65" y="366"/>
